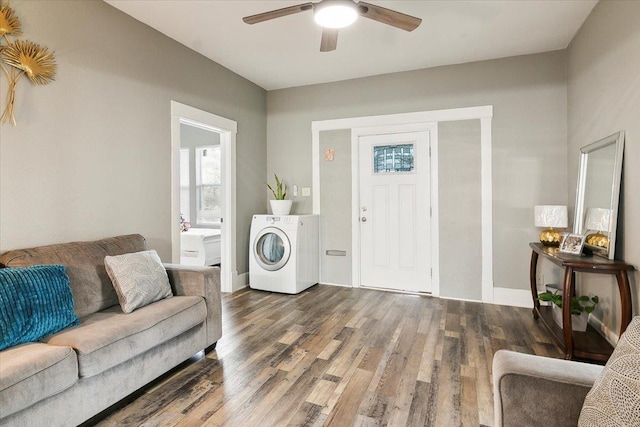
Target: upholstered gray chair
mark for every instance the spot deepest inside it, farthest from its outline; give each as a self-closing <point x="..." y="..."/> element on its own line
<point x="538" y="391"/>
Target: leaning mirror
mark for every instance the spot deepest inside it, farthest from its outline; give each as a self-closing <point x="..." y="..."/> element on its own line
<point x="598" y="194"/>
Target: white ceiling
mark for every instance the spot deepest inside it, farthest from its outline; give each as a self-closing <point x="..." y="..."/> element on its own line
<point x="284" y="52"/>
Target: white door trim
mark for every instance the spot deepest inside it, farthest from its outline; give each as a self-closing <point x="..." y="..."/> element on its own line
<point x="486" y="181"/>
<point x="356" y="133"/>
<point x="181" y="113"/>
<point x="484" y="114"/>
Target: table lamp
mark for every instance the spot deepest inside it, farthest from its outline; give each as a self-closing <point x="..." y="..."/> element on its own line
<point x="598" y="219"/>
<point x="550" y="217"/>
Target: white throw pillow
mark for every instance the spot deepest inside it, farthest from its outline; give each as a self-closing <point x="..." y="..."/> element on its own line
<point x="614" y="399"/>
<point x="139" y="279"/>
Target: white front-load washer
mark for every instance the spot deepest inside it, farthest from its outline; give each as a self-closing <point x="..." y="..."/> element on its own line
<point x="284" y="253"/>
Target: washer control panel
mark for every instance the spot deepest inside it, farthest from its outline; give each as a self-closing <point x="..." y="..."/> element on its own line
<point x="279" y="220"/>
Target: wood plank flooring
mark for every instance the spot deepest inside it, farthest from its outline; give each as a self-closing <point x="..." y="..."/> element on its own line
<point x="335" y="356"/>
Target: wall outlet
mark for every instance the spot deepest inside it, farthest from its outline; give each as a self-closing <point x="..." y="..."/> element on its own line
<point x="306" y="191"/>
<point x="540" y="283"/>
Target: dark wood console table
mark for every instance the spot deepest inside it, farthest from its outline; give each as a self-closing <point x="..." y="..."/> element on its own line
<point x="589" y="345"/>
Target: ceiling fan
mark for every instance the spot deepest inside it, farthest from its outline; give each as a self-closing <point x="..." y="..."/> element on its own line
<point x="335" y="14"/>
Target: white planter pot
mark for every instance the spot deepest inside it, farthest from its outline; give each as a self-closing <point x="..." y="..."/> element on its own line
<point x="281" y="207"/>
<point x="578" y="321"/>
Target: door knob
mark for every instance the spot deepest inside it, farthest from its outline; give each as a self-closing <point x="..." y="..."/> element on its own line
<point x="363" y="219"/>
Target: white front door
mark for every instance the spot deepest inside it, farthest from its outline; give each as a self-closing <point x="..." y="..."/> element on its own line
<point x="395" y="236"/>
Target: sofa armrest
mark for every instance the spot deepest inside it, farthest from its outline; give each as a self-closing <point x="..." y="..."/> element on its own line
<point x="531" y="390"/>
<point x="204" y="282"/>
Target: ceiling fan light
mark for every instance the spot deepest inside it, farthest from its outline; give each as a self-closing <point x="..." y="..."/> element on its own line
<point x="332" y="15"/>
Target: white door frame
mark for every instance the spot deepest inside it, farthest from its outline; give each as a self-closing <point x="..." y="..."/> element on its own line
<point x="482" y="113"/>
<point x="356" y="133"/>
<point x="181" y="113"/>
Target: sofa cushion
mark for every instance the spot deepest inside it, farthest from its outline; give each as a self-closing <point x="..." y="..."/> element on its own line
<point x="110" y="337"/>
<point x="614" y="399"/>
<point x="32" y="372"/>
<point x="90" y="284"/>
<point x="34" y="302"/>
<point x="138" y="278"/>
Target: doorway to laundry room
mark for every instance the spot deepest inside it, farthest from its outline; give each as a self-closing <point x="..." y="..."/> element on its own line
<point x="203" y="191"/>
<point x="200" y="196"/>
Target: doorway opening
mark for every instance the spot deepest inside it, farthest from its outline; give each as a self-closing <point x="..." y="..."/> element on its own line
<point x="203" y="191"/>
<point x="335" y="133"/>
<point x="200" y="196"/>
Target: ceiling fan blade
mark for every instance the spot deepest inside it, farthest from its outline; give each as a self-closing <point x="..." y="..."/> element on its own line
<point x="388" y="16"/>
<point x="278" y="13"/>
<point x="329" y="40"/>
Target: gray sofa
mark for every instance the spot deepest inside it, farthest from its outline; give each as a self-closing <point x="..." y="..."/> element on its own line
<point x="72" y="375"/>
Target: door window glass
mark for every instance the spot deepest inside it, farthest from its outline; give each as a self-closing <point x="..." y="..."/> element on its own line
<point x="393" y="158"/>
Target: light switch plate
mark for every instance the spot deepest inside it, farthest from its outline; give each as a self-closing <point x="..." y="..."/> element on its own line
<point x="306" y="191"/>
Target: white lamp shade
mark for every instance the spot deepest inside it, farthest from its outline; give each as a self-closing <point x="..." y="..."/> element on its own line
<point x="551" y="216"/>
<point x="598" y="219"/>
<point x="335" y="13"/>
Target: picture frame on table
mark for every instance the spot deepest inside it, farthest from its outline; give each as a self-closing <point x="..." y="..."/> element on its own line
<point x="572" y="243"/>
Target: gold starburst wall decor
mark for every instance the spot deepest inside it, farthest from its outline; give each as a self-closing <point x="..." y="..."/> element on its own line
<point x="34" y="61"/>
<point x="9" y="26"/>
<point x="25" y="58"/>
<point x="9" y="23"/>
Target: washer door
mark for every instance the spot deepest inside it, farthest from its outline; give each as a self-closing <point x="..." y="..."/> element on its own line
<point x="271" y="249"/>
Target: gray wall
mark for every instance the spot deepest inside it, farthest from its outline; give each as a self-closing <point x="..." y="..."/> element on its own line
<point x="460" y="209"/>
<point x="604" y="98"/>
<point x="529" y="135"/>
<point x="335" y="205"/>
<point x="90" y="156"/>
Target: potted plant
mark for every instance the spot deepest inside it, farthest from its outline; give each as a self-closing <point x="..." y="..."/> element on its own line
<point x="581" y="307"/>
<point x="279" y="206"/>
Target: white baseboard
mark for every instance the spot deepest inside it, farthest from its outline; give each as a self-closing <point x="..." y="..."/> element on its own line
<point x="457" y="299"/>
<point x="240" y="281"/>
<point x="512" y="297"/>
<point x="607" y="333"/>
<point x="341" y="285"/>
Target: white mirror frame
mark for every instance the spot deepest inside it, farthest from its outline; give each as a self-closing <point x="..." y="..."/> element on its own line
<point x="578" y="223"/>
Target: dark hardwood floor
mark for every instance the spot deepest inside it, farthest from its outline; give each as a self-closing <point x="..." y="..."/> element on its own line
<point x="340" y="357"/>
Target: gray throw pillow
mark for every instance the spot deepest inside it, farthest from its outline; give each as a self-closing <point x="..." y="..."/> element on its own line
<point x="139" y="279"/>
<point x="614" y="399"/>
